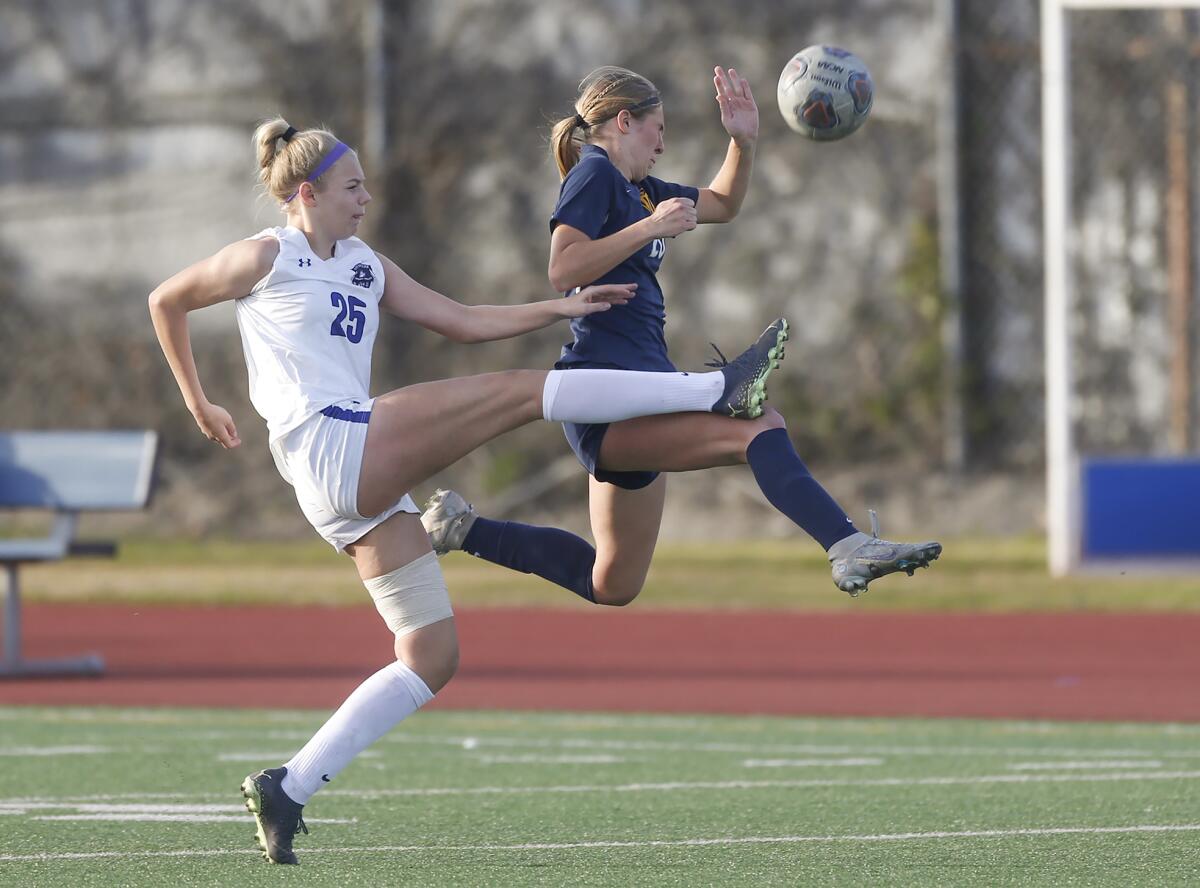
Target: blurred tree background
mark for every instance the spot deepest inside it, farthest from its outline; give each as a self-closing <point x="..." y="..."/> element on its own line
<point x="908" y="257"/>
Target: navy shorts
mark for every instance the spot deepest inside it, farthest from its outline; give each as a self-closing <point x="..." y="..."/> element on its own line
<point x="585" y="440"/>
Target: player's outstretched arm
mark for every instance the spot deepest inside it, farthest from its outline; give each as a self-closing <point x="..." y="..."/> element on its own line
<point x="411" y="301"/>
<point x="722" y="200"/>
<point x="229" y="274"/>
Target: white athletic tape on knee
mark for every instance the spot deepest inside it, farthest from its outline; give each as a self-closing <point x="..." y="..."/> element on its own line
<point x="411" y="596"/>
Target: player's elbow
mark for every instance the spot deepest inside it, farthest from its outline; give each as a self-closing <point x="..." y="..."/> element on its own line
<point x="559" y="281"/>
<point x="161" y="301"/>
<point x="562" y="279"/>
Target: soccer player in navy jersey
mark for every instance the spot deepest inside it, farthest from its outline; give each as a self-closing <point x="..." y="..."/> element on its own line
<point x="611" y="225"/>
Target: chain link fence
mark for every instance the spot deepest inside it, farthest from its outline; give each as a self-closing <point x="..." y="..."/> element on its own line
<point x="892" y="366"/>
<point x="1133" y="198"/>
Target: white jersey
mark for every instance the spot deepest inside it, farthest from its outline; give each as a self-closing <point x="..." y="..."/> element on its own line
<point x="308" y="328"/>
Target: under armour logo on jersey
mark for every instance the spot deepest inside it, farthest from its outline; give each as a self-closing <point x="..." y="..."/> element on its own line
<point x="305" y="263"/>
<point x="363" y="276"/>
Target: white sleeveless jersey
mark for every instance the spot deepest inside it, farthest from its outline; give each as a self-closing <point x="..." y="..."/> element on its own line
<point x="308" y="328"/>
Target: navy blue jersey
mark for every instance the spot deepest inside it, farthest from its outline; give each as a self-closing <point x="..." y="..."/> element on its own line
<point x="598" y="200"/>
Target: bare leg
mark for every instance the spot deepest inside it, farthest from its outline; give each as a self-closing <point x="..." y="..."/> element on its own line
<point x="394" y="543"/>
<point x="625" y="527"/>
<point x="681" y="442"/>
<point x="431" y="651"/>
<point x="625" y="523"/>
<point x="425" y="660"/>
<point x="419" y="430"/>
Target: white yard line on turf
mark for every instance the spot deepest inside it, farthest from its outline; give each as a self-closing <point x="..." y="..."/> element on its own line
<point x="882" y="782"/>
<point x="656" y="843"/>
<point x="156" y="718"/>
<point x="1080" y="766"/>
<point x="468" y="741"/>
<point x="886" y="782"/>
<point x="549" y="759"/>
<point x="872" y="726"/>
<point x="126" y="808"/>
<point x="814" y="763"/>
<point x="276" y="756"/>
<point x="141" y="813"/>
<point x="39" y="751"/>
<point x="236" y="819"/>
<point x="111" y="797"/>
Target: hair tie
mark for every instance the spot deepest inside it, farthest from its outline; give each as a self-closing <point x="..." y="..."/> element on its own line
<point x="288" y="133"/>
<point x="580" y="122"/>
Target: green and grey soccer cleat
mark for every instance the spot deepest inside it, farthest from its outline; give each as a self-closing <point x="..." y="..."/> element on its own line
<point x="277" y="816"/>
<point x="861" y="558"/>
<point x="447" y="519"/>
<point x="746" y="375"/>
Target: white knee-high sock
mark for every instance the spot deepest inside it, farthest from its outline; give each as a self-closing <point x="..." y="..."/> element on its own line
<point x="587" y="395"/>
<point x="376" y="706"/>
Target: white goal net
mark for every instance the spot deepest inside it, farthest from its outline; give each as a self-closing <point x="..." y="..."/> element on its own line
<point x="1119" y="117"/>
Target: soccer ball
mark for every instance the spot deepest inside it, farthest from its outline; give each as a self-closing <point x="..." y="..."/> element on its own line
<point x="825" y="93"/>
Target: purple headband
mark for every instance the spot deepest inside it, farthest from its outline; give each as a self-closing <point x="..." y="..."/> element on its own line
<point x="326" y="162"/>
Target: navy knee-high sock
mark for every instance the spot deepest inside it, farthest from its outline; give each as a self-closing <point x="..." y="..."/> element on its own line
<point x="552" y="554"/>
<point x="792" y="489"/>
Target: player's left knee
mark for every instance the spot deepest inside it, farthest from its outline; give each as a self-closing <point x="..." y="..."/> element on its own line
<point x="410" y="598"/>
<point x="616" y="594"/>
<point x="771" y="419"/>
<point x="435" y="665"/>
<point x="747" y="430"/>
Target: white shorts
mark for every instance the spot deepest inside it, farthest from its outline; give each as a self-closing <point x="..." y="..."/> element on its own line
<point x="322" y="458"/>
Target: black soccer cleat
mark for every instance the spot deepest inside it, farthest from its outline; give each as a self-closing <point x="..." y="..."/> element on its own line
<point x="277" y="816"/>
<point x="746" y="375"/>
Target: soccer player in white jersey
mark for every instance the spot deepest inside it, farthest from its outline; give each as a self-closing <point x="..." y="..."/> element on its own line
<point x="309" y="295"/>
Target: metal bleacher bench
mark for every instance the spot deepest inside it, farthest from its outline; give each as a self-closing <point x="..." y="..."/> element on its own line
<point x="66" y="472"/>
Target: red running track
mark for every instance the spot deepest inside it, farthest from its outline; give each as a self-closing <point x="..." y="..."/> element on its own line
<point x="1139" y="667"/>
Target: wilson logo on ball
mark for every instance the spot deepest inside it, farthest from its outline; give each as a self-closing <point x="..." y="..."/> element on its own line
<point x="825" y="93"/>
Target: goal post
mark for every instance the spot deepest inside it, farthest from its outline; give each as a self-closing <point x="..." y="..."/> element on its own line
<point x="1094" y="502"/>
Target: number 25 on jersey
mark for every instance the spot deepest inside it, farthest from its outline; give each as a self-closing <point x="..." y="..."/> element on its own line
<point x="348" y="311"/>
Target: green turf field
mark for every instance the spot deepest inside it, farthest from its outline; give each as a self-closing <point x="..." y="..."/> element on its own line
<point x="973" y="575"/>
<point x="111" y="797"/>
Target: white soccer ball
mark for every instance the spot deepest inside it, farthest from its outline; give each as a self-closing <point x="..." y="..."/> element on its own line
<point x="825" y="93"/>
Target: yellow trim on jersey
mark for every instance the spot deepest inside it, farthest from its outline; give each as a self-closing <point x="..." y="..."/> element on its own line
<point x="646" y="201"/>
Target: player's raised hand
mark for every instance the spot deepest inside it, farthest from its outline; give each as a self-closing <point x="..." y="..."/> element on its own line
<point x="598" y="297"/>
<point x="217" y="425"/>
<point x="673" y="216"/>
<point x="739" y="113"/>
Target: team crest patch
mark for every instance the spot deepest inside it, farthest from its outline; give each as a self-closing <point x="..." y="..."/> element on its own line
<point x="363" y="276"/>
